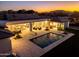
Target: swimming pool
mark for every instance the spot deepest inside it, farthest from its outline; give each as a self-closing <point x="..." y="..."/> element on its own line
<point x="46" y="39"/>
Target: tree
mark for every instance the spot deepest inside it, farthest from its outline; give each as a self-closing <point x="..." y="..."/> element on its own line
<point x="75" y="17"/>
<point x="21" y="11"/>
<point x="11" y="12"/>
<point x="30" y="12"/>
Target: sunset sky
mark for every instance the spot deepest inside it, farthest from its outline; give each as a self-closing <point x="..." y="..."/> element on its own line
<point x="40" y="6"/>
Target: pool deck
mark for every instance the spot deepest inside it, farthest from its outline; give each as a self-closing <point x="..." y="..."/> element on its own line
<point x="25" y="48"/>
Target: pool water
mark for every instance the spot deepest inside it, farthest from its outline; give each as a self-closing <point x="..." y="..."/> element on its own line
<point x="47" y="39"/>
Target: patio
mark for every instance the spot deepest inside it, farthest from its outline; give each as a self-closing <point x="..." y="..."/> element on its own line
<point x="24" y="47"/>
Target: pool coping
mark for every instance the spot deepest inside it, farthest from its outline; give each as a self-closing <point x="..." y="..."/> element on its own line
<point x="53" y="45"/>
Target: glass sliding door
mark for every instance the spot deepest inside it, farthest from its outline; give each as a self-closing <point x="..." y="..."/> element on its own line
<point x="60" y="26"/>
<point x="38" y="26"/>
<point x="24" y="27"/>
<point x="56" y="26"/>
<point x="53" y="26"/>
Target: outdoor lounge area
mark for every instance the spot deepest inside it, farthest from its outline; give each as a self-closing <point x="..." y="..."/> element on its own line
<point x="37" y="45"/>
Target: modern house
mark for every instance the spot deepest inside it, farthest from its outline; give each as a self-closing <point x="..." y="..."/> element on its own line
<point x="32" y="23"/>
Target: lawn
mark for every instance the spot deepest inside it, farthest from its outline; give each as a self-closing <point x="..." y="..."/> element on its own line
<point x="69" y="48"/>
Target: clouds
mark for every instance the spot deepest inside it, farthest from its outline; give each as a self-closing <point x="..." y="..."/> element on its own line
<point x="40" y="6"/>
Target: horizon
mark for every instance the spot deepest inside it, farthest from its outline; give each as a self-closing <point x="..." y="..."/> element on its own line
<point x="40" y="6"/>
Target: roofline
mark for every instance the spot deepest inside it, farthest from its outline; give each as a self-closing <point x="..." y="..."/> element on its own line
<point x="25" y="21"/>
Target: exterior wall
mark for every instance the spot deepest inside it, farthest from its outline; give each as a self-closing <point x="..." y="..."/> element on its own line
<point x="30" y="26"/>
<point x="66" y="24"/>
